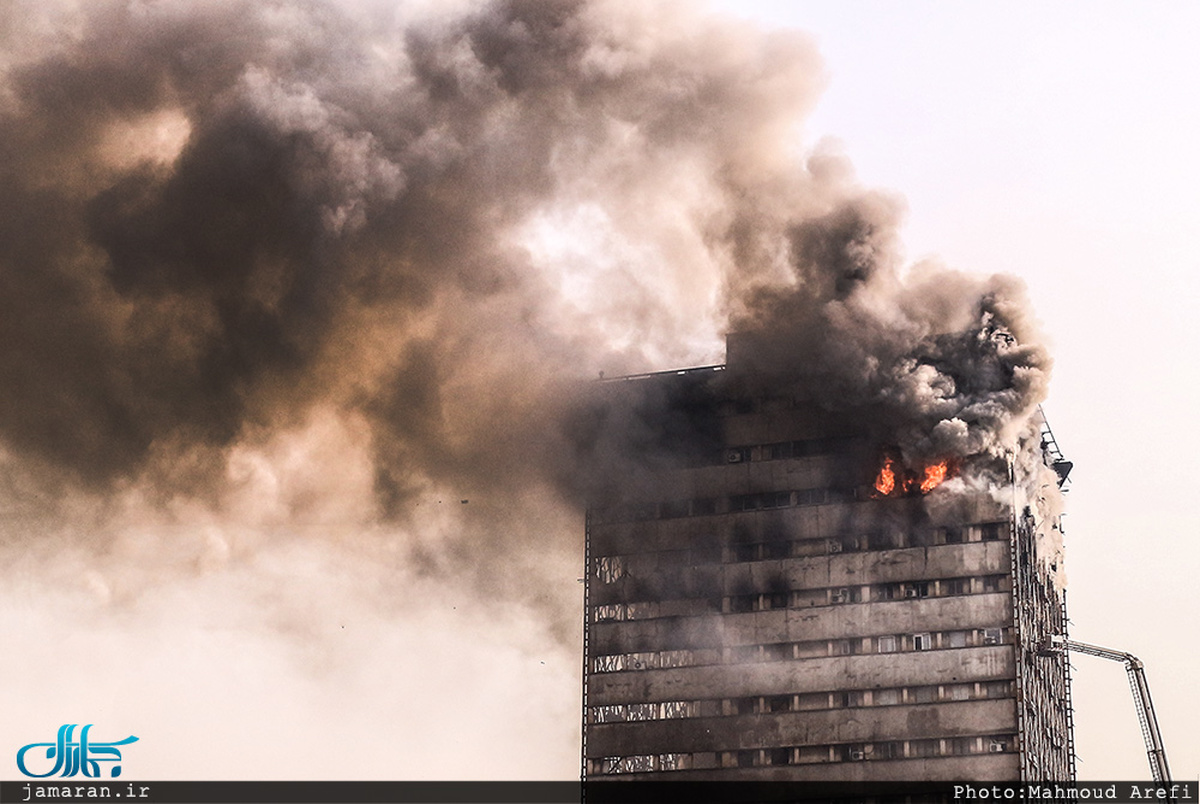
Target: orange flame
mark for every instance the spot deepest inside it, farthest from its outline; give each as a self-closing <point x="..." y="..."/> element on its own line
<point x="886" y="481"/>
<point x="934" y="475"/>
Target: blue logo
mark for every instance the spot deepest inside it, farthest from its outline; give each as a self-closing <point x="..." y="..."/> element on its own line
<point x="71" y="758"/>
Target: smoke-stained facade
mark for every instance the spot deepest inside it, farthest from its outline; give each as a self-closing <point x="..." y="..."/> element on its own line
<point x="787" y="601"/>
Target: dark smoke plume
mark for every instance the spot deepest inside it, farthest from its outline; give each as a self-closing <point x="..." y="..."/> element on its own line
<point x="327" y="276"/>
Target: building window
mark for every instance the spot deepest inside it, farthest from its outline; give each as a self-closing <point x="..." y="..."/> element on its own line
<point x="672" y="710"/>
<point x="842" y="647"/>
<point x="609" y="612"/>
<point x="812" y="700"/>
<point x="924" y="748"/>
<point x="888" y="697"/>
<point x="993" y="636"/>
<point x="957" y="586"/>
<point x="746" y="759"/>
<point x="777" y="550"/>
<point x="610" y="569"/>
<point x="777" y="652"/>
<point x="779" y="756"/>
<point x="675" y="509"/>
<point x="742" y="603"/>
<point x="916" y="589"/>
<point x="779" y="703"/>
<point x="745" y="552"/>
<point x="922" y="642"/>
<point x="957" y="692"/>
<point x="888" y="750"/>
<point x="670" y="762"/>
<point x="926" y="694"/>
<point x="998" y="689"/>
<point x="956" y="639"/>
<point x="886" y="644"/>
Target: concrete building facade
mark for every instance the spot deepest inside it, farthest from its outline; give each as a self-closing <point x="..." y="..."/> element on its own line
<point x="766" y="607"/>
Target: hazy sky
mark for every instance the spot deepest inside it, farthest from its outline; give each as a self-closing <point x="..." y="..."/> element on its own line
<point x="1058" y="141"/>
<point x="308" y="567"/>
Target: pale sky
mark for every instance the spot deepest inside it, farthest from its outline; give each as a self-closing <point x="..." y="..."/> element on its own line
<point x="1058" y="142"/>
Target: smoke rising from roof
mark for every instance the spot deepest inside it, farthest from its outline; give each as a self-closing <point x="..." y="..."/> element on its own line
<point x="284" y="279"/>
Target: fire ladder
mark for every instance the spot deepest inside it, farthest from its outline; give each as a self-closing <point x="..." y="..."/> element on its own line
<point x="1141" y="698"/>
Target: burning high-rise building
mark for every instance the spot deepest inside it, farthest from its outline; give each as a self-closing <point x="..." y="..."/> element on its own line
<point x="785" y="591"/>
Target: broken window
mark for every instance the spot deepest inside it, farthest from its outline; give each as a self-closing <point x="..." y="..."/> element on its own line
<point x="641" y="711"/>
<point x="678" y="709"/>
<point x="993" y="636"/>
<point x="609" y="612"/>
<point x="608" y="714"/>
<point x="610" y="569"/>
<point x="675" y="658"/>
<point x="779" y="756"/>
<point x="638" y="764"/>
<point x="607" y="664"/>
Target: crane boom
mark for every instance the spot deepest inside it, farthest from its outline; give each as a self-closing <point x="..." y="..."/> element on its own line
<point x="1155" y="751"/>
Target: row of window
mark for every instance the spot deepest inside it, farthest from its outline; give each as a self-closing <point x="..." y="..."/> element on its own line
<point x="799" y="702"/>
<point x="803" y="598"/>
<point x="806" y="754"/>
<point x="809" y="649"/>
<point x="708" y="506"/>
<point x="610" y="569"/>
<point x="784" y="450"/>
